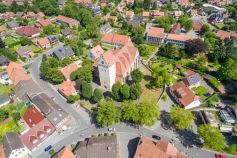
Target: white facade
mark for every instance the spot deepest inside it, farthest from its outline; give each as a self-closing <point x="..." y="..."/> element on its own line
<point x="107" y="73"/>
<point x="194" y="104"/>
<point x="20" y="153"/>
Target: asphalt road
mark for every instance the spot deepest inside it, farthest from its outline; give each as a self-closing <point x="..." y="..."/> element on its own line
<point x="82" y="128"/>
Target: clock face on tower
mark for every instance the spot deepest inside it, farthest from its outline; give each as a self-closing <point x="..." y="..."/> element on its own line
<point x="102" y="62"/>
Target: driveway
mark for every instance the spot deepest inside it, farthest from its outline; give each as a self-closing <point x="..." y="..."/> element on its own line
<point x="166" y="105"/>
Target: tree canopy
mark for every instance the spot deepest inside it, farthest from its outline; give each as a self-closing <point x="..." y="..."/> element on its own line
<point x="137" y="75"/>
<point x="86" y="90"/>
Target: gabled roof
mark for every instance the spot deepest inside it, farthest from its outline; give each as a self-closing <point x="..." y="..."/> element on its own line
<point x="97" y="51"/>
<point x="68" y="20"/>
<point x="179" y="37"/>
<point x="11" y="142"/>
<point x="27" y="31"/>
<point x="45" y="22"/>
<point x="183" y="93"/>
<point x="167" y="148"/>
<point x="67" y="70"/>
<point x="66" y="31"/>
<point x="156" y="32"/>
<point x="65" y="153"/>
<point x="24" y="50"/>
<point x="63" y="52"/>
<point x="83" y="1"/>
<point x="67" y="88"/>
<point x="116" y="38"/>
<point x="192" y="79"/>
<point x="12" y="24"/>
<point x="158" y="13"/>
<point x="32" y="116"/>
<point x="42" y="42"/>
<point x="197" y="26"/>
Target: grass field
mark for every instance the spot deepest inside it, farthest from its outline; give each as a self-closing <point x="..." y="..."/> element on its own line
<point x="149" y="93"/>
<point x="10" y="40"/>
<point x="5" y="89"/>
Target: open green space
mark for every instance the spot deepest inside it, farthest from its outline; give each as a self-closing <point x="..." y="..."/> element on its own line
<point x="201" y="92"/>
<point x="4" y="89"/>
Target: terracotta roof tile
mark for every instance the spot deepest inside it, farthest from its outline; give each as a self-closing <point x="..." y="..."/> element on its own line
<point x="158" y="13"/>
<point x="156" y="32"/>
<point x="66" y="153"/>
<point x="32" y="116"/>
<point x="145" y="14"/>
<point x="45" y="22"/>
<point x="97" y="51"/>
<point x="179" y="37"/>
<point x="67" y="88"/>
<point x="28" y="31"/>
<point x="68" y="20"/>
<point x="83" y="1"/>
<point x="116" y="38"/>
<point x="67" y="70"/>
<point x="197" y="26"/>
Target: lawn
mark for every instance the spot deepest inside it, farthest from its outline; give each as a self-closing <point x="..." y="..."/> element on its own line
<point x="219" y="25"/>
<point x="150" y="50"/>
<point x="5" y="89"/>
<point x="149" y="93"/>
<point x="160" y="64"/>
<point x="35" y="48"/>
<point x="85" y="52"/>
<point x="10" y="41"/>
<point x="201" y="92"/>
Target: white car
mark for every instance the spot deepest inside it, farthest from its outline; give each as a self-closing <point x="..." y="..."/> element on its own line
<point x="111" y="129"/>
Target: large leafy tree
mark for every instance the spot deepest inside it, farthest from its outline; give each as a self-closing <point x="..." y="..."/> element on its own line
<point x="146" y="4"/>
<point x="116" y="91"/>
<point x="97" y="95"/>
<point x="125" y="91"/>
<point x="3" y="114"/>
<point x="148" y="112"/>
<point x="212" y="137"/>
<point x="181" y="118"/>
<point x="137" y="34"/>
<point x="135" y="91"/>
<point x="2" y="45"/>
<point x="165" y="22"/>
<point x="228" y="70"/>
<point x="170" y="51"/>
<point x="137" y="75"/>
<point x="107" y="112"/>
<point x="129" y="112"/>
<point x="195" y="46"/>
<point x="186" y="22"/>
<point x="86" y="90"/>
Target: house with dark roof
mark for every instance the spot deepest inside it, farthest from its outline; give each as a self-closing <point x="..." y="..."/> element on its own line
<point x="13" y="146"/>
<point x="63" y="52"/>
<point x="4" y="100"/>
<point x="25" y="51"/>
<point x="192" y="80"/>
<point x="66" y="32"/>
<point x="3" y="62"/>
<point x="106" y="28"/>
<point x="37" y="134"/>
<point x="184" y="96"/>
<point x="12" y="25"/>
<point x="98" y="147"/>
<point x="25" y="89"/>
<point x="53" y="39"/>
<point x="60" y="119"/>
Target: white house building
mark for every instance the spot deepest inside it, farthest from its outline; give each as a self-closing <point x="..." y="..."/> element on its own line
<point x="115" y="65"/>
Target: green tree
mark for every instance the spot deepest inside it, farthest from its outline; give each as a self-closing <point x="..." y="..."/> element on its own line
<point x="86" y="90"/>
<point x="159" y="82"/>
<point x="129" y="112"/>
<point x="137" y="75"/>
<point x="25" y="41"/>
<point x="195" y="46"/>
<point x="125" y="91"/>
<point x="2" y="44"/>
<point x="205" y="28"/>
<point x="212" y="137"/>
<point x="186" y="22"/>
<point x="170" y="51"/>
<point x="107" y="112"/>
<point x="3" y="114"/>
<point x="228" y="70"/>
<point x="146" y="4"/>
<point x="92" y="31"/>
<point x="116" y="91"/>
<point x="73" y="98"/>
<point x="165" y="22"/>
<point x="3" y="8"/>
<point x="148" y="112"/>
<point x="135" y="91"/>
<point x="137" y="34"/>
<point x="83" y="73"/>
<point x="181" y="118"/>
<point x="97" y="95"/>
<point x="16" y="116"/>
<point x="49" y="30"/>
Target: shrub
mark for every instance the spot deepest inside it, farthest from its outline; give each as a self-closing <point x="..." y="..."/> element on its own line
<point x="164" y="97"/>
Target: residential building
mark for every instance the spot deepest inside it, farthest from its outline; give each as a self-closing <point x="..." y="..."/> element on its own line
<point x="4" y="100"/>
<point x="226" y="35"/>
<point x="69" y="22"/>
<point x="129" y="14"/>
<point x="155" y="35"/>
<point x="13" y="147"/>
<point x="110" y="17"/>
<point x="16" y="73"/>
<point x="67" y="88"/>
<point x="95" y="52"/>
<point x="63" y="52"/>
<point x="176" y="29"/>
<point x="157" y="13"/>
<point x="106" y="28"/>
<point x="66" y="32"/>
<point x="146" y="148"/>
<point x="184" y="3"/>
<point x="85" y="2"/>
<point x="37" y="134"/>
<point x="28" y="31"/>
<point x="12" y="25"/>
<point x="197" y="26"/>
<point x="194" y="12"/>
<point x="103" y="3"/>
<point x="3" y="62"/>
<point x="116" y="40"/>
<point x="188" y="73"/>
<point x="60" y="119"/>
<point x="25" y="51"/>
<point x="145" y="15"/>
<point x="53" y="39"/>
<point x="67" y="70"/>
<point x="115" y="65"/>
<point x="178" y="39"/>
<point x="26" y="89"/>
<point x="43" y="42"/>
<point x="192" y="80"/>
<point x="32" y="117"/>
<point x="184" y="96"/>
<point x="177" y="13"/>
<point x="64" y="153"/>
<point x="98" y="147"/>
<point x="44" y="23"/>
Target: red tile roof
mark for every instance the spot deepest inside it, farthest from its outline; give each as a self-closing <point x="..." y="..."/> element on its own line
<point x="66" y="153"/>
<point x="67" y="70"/>
<point x="116" y="38"/>
<point x="156" y="32"/>
<point x="197" y="26"/>
<point x="158" y="13"/>
<point x="129" y="13"/>
<point x="2" y="154"/>
<point x="97" y="51"/>
<point x="37" y="134"/>
<point x="83" y="1"/>
<point x="16" y="73"/>
<point x="145" y="14"/>
<point x="194" y="11"/>
<point x="184" y="2"/>
<point x="67" y="88"/>
<point x="28" y="31"/>
<point x="161" y="149"/>
<point x="42" y="42"/>
<point x="32" y="116"/>
<point x="224" y="34"/>
<point x="45" y="22"/>
<point x="179" y="37"/>
<point x="68" y="20"/>
<point x="183" y="93"/>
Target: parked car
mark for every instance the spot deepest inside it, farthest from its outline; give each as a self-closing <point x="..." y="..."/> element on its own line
<point x="156" y="137"/>
<point x="48" y="148"/>
<point x="220" y="156"/>
<point x="111" y="129"/>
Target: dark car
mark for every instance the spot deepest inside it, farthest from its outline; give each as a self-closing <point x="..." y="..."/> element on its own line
<point x="220" y="156"/>
<point x="156" y="137"/>
<point x="48" y="148"/>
